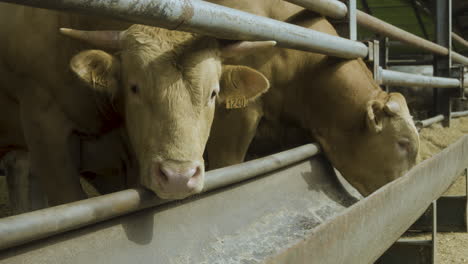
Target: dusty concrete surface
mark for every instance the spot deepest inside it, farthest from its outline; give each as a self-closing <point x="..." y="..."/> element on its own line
<point x="451" y="247"/>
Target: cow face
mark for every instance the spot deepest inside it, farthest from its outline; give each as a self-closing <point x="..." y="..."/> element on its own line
<point x="386" y="149"/>
<point x="168" y="83"/>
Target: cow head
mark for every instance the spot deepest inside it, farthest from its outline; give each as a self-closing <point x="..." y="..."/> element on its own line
<point x="167" y="83"/>
<point x="386" y="148"/>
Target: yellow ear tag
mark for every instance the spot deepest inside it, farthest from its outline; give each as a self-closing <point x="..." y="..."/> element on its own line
<point x="236" y="102"/>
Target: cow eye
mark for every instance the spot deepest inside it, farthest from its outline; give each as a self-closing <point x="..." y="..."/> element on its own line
<point x="134" y="89"/>
<point x="404" y="144"/>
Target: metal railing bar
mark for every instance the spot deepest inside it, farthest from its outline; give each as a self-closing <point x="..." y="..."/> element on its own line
<point x="209" y="19"/>
<point x="407" y="79"/>
<point x="460" y="40"/>
<point x="459" y="114"/>
<point x="427" y="122"/>
<point x="376" y="25"/>
<point x="23" y="228"/>
<point x="438" y="118"/>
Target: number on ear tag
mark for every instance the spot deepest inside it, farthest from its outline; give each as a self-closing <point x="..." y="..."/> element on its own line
<point x="236" y="102"/>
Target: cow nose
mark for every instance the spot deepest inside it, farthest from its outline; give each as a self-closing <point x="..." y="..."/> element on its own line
<point x="179" y="180"/>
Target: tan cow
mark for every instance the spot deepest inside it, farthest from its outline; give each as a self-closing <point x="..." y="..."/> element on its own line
<point x="367" y="134"/>
<point x="159" y="85"/>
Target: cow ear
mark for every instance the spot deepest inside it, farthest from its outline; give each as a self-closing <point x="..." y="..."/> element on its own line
<point x="374" y="116"/>
<point x="241" y="85"/>
<point x="98" y="69"/>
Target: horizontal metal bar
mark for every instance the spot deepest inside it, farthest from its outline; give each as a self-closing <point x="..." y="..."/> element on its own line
<point x="459" y="114"/>
<point x="376" y="25"/>
<point x="459" y="58"/>
<point x="427" y="122"/>
<point x="20" y="229"/>
<point x="393" y="32"/>
<point x="438" y="118"/>
<point x="362" y="232"/>
<point x="209" y="19"/>
<point x="331" y="8"/>
<point x="409" y="62"/>
<point x="460" y="40"/>
<point x="407" y="79"/>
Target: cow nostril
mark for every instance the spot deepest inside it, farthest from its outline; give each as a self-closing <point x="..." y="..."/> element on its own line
<point x="194" y="180"/>
<point x="163" y="175"/>
<point x="192" y="172"/>
<point x="197" y="172"/>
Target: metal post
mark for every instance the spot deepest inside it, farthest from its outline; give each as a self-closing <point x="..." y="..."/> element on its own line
<point x="459" y="102"/>
<point x="376" y="68"/>
<point x="383" y="57"/>
<point x="384" y="52"/>
<point x="352" y="19"/>
<point x="466" y="199"/>
<point x="443" y="63"/>
<point x="462" y="83"/>
<point x="434" y="231"/>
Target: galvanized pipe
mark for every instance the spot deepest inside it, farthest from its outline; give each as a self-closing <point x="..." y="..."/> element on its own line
<point x="459" y="58"/>
<point x="209" y="19"/>
<point x="331" y="8"/>
<point x="460" y="40"/>
<point x="427" y="122"/>
<point x="376" y="25"/>
<point x="407" y="79"/>
<point x="352" y="25"/>
<point x="438" y="118"/>
<point x="20" y="229"/>
<point x="459" y="114"/>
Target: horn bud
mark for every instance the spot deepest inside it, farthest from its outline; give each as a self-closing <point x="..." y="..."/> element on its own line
<point x="102" y="39"/>
<point x="245" y="47"/>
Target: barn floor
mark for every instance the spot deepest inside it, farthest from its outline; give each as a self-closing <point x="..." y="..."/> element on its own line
<point x="451" y="247"/>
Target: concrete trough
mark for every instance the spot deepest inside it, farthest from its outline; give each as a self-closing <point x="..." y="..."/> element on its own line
<point x="296" y="214"/>
<point x="244" y="223"/>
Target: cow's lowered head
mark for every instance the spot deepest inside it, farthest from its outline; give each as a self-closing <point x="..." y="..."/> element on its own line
<point x="166" y="84"/>
<point x="385" y="147"/>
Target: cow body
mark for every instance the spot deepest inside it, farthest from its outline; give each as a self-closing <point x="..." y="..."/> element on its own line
<point x="156" y="87"/>
<point x="366" y="133"/>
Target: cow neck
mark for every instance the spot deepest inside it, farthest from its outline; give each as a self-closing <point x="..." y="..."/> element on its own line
<point x="110" y="109"/>
<point x="340" y="95"/>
